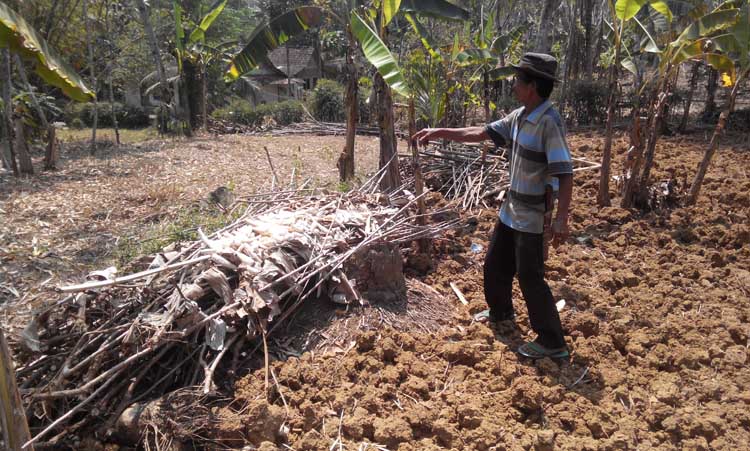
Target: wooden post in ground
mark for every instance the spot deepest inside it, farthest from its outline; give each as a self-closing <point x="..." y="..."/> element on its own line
<point x="12" y="414"/>
<point x="423" y="244"/>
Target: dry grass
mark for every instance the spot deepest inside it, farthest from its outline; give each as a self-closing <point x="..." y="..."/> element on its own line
<point x="127" y="136"/>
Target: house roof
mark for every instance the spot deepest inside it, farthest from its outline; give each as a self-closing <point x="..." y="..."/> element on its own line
<point x="299" y="59"/>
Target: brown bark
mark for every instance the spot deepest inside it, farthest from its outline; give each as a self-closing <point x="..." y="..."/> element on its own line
<point x="711" y="85"/>
<point x="154" y="46"/>
<point x="9" y="156"/>
<point x="637" y="184"/>
<point x="112" y="106"/>
<point x="689" y="100"/>
<point x="92" y="71"/>
<point x="15" y="429"/>
<point x="544" y="43"/>
<point x="602" y="198"/>
<point x="346" y="159"/>
<point x="423" y="244"/>
<point x="50" y="155"/>
<point x="388" y="144"/>
<point x="695" y="188"/>
<point x="25" y="166"/>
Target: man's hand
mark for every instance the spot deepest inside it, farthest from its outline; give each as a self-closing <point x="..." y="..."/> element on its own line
<point x="423" y="136"/>
<point x="560" y="231"/>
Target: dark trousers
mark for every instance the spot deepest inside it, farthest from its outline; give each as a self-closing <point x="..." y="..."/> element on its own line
<point x="512" y="253"/>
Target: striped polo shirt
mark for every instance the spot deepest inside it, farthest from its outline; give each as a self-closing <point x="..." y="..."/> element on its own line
<point x="538" y="152"/>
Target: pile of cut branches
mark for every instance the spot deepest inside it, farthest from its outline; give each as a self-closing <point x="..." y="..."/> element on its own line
<point x="201" y="309"/>
<point x="469" y="175"/>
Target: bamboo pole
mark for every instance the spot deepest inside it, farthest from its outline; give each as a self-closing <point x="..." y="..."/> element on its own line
<point x="12" y="414"/>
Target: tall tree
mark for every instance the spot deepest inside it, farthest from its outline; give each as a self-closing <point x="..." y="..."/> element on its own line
<point x="92" y="72"/>
<point x="143" y="9"/>
<point x="544" y="38"/>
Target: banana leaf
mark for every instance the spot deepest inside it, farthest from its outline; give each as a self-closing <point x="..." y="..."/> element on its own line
<point x="390" y="9"/>
<point x="20" y="37"/>
<point x="378" y="54"/>
<point x="629" y="65"/>
<point x="470" y="57"/>
<point x="510" y="39"/>
<point x="710" y="23"/>
<point x="501" y="73"/>
<point x="662" y="8"/>
<point x="436" y="8"/>
<point x="723" y="64"/>
<point x="199" y="34"/>
<point x="627" y="9"/>
<point x="424" y="36"/>
<point x="268" y="37"/>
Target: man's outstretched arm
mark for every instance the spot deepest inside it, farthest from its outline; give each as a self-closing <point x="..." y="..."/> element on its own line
<point x="466" y="135"/>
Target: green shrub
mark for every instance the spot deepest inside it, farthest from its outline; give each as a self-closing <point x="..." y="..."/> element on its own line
<point x="77" y="123"/>
<point x="588" y="102"/>
<point x="243" y="112"/>
<point x="127" y="116"/>
<point x="239" y="111"/>
<point x="328" y="101"/>
<point x="287" y="112"/>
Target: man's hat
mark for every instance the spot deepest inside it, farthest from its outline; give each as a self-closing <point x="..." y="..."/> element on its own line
<point x="539" y="65"/>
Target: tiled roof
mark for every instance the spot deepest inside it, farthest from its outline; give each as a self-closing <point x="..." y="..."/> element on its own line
<point x="299" y="59"/>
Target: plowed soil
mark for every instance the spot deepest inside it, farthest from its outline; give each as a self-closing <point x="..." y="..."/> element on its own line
<point x="657" y="310"/>
<point x="657" y="314"/>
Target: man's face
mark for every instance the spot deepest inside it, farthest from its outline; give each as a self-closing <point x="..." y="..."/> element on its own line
<point x="522" y="90"/>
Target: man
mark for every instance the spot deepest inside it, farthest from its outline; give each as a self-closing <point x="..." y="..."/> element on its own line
<point x="535" y="136"/>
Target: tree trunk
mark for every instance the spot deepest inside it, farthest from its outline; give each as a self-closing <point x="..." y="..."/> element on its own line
<point x="588" y="60"/>
<point x="711" y="85"/>
<point x="654" y="132"/>
<point x="25" y="166"/>
<point x="602" y="198"/>
<point x="50" y="155"/>
<point x="9" y="156"/>
<point x="689" y="100"/>
<point x="144" y="12"/>
<point x="423" y="244"/>
<point x="566" y="66"/>
<point x="346" y="159"/>
<point x="204" y="97"/>
<point x="637" y="184"/>
<point x="15" y="429"/>
<point x="112" y="106"/>
<point x="543" y="43"/>
<point x="92" y="70"/>
<point x="192" y="88"/>
<point x="388" y="144"/>
<point x="695" y="188"/>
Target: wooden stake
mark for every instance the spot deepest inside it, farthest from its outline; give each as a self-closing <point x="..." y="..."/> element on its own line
<point x="12" y="415"/>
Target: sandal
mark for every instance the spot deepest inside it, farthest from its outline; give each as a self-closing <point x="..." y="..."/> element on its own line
<point x="534" y="350"/>
<point x="486" y="316"/>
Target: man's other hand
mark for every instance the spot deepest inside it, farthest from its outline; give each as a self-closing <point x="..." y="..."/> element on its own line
<point x="560" y="232"/>
<point x="423" y="136"/>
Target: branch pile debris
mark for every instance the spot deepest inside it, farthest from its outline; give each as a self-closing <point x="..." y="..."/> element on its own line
<point x="200" y="309"/>
<point x="468" y="175"/>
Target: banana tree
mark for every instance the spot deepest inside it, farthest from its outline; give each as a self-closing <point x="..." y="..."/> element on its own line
<point x="365" y="25"/>
<point x="23" y="40"/>
<point x="623" y="11"/>
<point x="736" y="43"/>
<point x="688" y="46"/>
<point x="193" y="57"/>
